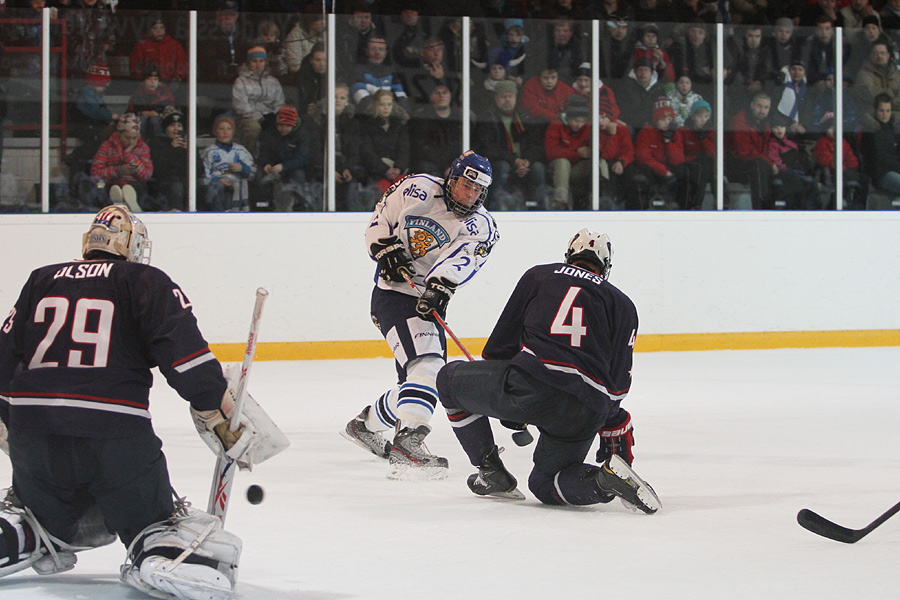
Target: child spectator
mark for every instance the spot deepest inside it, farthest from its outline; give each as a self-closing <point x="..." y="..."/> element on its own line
<point x="697" y="148"/>
<point x="374" y="75"/>
<point x="483" y="95"/>
<point x="92" y="121"/>
<point x="385" y="148"/>
<point x="256" y="96"/>
<point x="148" y="102"/>
<point x="513" y="49"/>
<point x="568" y="148"/>
<point x="227" y="166"/>
<point x="659" y="159"/>
<point x="682" y="98"/>
<point x="123" y="164"/>
<point x="544" y="96"/>
<point x="169" y="185"/>
<point x="159" y="52"/>
<point x="270" y="39"/>
<point x="648" y="47"/>
<point x="793" y="186"/>
<point x="856" y="183"/>
<point x="282" y="158"/>
<point x="616" y="152"/>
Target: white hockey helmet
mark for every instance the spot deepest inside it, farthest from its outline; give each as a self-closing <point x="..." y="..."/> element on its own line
<point x="594" y="248"/>
<point x="115" y="230"/>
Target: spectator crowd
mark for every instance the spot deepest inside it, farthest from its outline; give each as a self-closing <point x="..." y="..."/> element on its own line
<point x="262" y="126"/>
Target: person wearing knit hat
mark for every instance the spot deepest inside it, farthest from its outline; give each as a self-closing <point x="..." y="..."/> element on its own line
<point x="694" y="144"/>
<point x="169" y="151"/>
<point x="256" y="96"/>
<point x="568" y="146"/>
<point x="637" y="94"/>
<point x="98" y="76"/>
<point x="287" y="116"/>
<point x="129" y="122"/>
<point x="282" y="165"/>
<point x="160" y="51"/>
<point x="227" y="168"/>
<point x="148" y="101"/>
<point x="657" y="161"/>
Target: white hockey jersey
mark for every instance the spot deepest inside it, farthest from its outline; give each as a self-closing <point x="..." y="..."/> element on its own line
<point x="439" y="242"/>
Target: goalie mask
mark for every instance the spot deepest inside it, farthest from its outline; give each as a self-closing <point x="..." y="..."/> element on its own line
<point x="593" y="248"/>
<point x="467" y="184"/>
<point x="115" y="230"/>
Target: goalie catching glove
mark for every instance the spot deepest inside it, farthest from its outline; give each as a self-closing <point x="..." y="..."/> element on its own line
<point x="616" y="437"/>
<point x="394" y="264"/>
<point x="255" y="440"/>
<point x="438" y="291"/>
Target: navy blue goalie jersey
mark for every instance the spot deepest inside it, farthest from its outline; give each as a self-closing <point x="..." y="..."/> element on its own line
<point x="571" y="329"/>
<point x="77" y="349"/>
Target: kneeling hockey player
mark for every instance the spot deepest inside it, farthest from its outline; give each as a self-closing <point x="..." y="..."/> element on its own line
<point x="437" y="234"/>
<point x="560" y="358"/>
<point x="75" y="359"/>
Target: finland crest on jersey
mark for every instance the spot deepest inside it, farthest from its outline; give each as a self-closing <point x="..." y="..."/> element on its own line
<point x="424" y="234"/>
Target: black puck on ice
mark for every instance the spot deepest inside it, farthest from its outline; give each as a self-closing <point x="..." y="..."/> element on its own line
<point x="254" y="494"/>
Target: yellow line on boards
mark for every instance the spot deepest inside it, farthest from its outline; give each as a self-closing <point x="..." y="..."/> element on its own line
<point x="670" y="342"/>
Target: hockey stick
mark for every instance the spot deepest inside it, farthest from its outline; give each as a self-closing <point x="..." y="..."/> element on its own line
<point x="439" y="319"/>
<point x="223" y="476"/>
<point x="822" y="526"/>
<point x="522" y="437"/>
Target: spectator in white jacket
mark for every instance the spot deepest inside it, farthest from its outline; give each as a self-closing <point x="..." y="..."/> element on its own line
<point x="256" y="97"/>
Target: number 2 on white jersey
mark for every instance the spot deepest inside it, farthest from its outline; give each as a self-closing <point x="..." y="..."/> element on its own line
<point x="573" y="314"/>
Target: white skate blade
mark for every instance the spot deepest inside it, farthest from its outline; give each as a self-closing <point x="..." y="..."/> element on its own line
<point x="513" y="494"/>
<point x="407" y="472"/>
<point x="645" y="493"/>
<point x="186" y="581"/>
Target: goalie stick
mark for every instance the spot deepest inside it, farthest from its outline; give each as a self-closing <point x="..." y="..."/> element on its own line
<point x="822" y="526"/>
<point x="223" y="476"/>
<point x="522" y="437"/>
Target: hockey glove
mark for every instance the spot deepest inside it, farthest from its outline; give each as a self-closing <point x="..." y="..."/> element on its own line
<point x="616" y="437"/>
<point x="214" y="426"/>
<point x="438" y="291"/>
<point x="393" y="261"/>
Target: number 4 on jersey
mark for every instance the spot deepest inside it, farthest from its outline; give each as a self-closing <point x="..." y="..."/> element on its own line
<point x="573" y="314"/>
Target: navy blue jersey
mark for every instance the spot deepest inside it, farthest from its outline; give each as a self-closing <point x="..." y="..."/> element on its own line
<point x="571" y="329"/>
<point x="77" y="349"/>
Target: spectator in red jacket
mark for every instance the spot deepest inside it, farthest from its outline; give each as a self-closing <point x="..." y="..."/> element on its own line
<point x="616" y="152"/>
<point x="648" y="47"/>
<point x="544" y="96"/>
<point x="660" y="160"/>
<point x="856" y="183"/>
<point x="747" y="143"/>
<point x="697" y="144"/>
<point x="568" y="147"/>
<point x="123" y="162"/>
<point x="162" y="50"/>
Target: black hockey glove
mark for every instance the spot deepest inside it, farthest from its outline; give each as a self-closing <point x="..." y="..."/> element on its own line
<point x="438" y="291"/>
<point x="668" y="134"/>
<point x="393" y="261"/>
<point x="616" y="437"/>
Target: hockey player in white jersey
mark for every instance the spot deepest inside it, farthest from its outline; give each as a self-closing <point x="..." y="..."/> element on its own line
<point x="437" y="234"/>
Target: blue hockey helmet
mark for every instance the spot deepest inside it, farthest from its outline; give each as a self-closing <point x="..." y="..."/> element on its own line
<point x="474" y="171"/>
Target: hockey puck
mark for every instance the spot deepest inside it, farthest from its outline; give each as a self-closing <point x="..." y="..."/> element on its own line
<point x="254" y="494"/>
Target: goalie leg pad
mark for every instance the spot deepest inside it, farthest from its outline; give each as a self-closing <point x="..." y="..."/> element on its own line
<point x="24" y="542"/>
<point x="188" y="557"/>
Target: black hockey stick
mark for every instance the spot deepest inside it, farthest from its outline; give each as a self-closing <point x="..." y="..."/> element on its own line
<point x="822" y="526"/>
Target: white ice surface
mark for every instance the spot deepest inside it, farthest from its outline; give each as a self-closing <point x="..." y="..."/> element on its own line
<point x="735" y="443"/>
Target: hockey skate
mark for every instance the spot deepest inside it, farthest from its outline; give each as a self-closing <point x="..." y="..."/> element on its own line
<point x="357" y="432"/>
<point x="410" y="459"/>
<point x="492" y="478"/>
<point x="615" y="477"/>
